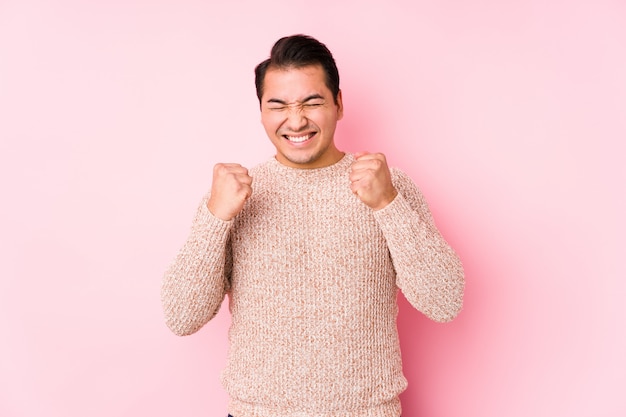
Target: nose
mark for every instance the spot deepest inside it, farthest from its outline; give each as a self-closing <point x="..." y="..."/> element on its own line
<point x="296" y="119"/>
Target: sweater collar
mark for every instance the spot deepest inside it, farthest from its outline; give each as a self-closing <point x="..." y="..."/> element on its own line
<point x="340" y="166"/>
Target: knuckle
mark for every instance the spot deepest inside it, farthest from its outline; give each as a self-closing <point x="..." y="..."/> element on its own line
<point x="221" y="169"/>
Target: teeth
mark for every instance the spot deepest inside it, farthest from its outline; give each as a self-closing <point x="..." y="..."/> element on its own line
<point x="298" y="139"/>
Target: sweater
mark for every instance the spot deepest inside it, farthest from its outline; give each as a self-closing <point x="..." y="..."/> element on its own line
<point x="312" y="276"/>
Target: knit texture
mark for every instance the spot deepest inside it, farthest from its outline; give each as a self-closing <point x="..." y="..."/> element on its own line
<point x="313" y="274"/>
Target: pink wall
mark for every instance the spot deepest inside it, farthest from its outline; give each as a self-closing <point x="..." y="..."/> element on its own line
<point x="510" y="115"/>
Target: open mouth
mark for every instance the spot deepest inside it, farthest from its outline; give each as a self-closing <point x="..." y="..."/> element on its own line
<point x="299" y="139"/>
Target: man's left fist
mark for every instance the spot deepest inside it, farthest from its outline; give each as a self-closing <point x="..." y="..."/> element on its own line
<point x="370" y="180"/>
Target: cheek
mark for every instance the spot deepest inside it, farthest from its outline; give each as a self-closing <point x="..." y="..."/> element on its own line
<point x="268" y="124"/>
<point x="326" y="121"/>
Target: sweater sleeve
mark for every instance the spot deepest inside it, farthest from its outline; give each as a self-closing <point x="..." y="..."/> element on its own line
<point x="197" y="280"/>
<point x="428" y="271"/>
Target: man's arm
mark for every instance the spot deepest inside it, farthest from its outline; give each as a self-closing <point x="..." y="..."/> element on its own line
<point x="428" y="271"/>
<point x="195" y="283"/>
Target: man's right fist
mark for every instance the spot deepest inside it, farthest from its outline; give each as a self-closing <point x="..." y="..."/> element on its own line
<point x="231" y="187"/>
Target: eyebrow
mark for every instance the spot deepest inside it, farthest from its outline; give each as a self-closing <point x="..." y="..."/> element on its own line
<point x="308" y="98"/>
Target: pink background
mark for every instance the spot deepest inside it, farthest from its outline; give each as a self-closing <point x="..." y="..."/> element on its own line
<point x="510" y="115"/>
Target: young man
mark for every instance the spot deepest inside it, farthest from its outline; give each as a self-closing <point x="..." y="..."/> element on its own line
<point x="311" y="247"/>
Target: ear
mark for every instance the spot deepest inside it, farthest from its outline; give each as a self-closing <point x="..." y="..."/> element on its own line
<point x="339" y="106"/>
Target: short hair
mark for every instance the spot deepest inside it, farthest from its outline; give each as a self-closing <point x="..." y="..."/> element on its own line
<point x="299" y="51"/>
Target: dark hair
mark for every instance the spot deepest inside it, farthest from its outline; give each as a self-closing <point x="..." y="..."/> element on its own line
<point x="295" y="52"/>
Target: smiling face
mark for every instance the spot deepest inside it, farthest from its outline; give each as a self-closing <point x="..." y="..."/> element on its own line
<point x="300" y="115"/>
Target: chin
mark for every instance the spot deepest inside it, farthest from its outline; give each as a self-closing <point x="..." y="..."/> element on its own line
<point x="300" y="159"/>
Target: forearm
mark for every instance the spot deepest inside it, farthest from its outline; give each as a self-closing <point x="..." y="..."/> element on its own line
<point x="428" y="271"/>
<point x="195" y="283"/>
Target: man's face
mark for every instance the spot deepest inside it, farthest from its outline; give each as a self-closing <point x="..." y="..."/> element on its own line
<point x="300" y="116"/>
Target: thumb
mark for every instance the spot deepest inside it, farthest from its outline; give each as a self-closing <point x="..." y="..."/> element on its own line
<point x="358" y="155"/>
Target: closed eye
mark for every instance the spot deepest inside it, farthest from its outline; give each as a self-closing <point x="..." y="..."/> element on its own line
<point x="309" y="103"/>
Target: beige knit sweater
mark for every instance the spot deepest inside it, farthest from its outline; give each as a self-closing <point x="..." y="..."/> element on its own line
<point x="312" y="274"/>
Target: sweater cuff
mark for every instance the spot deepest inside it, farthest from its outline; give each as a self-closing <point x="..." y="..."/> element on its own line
<point x="398" y="211"/>
<point x="209" y="225"/>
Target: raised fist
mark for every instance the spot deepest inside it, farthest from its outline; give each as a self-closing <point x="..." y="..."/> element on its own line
<point x="370" y="180"/>
<point x="230" y="189"/>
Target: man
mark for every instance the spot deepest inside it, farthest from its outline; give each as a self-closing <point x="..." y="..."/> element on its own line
<point x="311" y="247"/>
